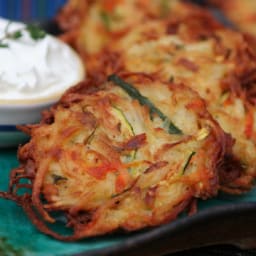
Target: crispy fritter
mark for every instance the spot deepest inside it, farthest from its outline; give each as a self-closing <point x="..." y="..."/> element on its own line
<point x="184" y="43"/>
<point x="133" y="143"/>
<point x="100" y="23"/>
<point x="218" y="64"/>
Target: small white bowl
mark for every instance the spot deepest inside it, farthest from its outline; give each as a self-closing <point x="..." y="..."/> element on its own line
<point x="33" y="76"/>
<point x="14" y="112"/>
<point x="12" y="115"/>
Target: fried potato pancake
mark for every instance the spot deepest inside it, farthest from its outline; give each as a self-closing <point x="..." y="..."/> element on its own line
<point x="132" y="143"/>
<point x="92" y="25"/>
<point x="219" y="65"/>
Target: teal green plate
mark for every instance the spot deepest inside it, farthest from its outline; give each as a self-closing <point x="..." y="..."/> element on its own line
<point x="18" y="237"/>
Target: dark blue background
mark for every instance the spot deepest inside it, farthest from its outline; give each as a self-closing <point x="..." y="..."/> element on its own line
<point x="29" y="10"/>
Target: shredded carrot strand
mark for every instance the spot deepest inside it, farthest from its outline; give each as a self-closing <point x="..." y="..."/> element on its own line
<point x="100" y="172"/>
<point x="133" y="164"/>
<point x="249" y="120"/>
<point x="110" y="5"/>
<point x="121" y="181"/>
<point x="196" y="104"/>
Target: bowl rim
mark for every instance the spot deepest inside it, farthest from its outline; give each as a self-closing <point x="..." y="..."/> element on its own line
<point x="41" y="101"/>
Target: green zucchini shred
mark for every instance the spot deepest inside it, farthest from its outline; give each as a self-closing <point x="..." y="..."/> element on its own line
<point x="188" y="162"/>
<point x="135" y="94"/>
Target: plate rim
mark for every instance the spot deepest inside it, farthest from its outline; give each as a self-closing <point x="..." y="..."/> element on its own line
<point x="156" y="233"/>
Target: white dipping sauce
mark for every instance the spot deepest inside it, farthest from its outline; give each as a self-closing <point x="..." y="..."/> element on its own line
<point x="35" y="69"/>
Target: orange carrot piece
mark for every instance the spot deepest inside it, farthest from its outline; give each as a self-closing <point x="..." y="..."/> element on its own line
<point x="121" y="181"/>
<point x="249" y="120"/>
<point x="196" y="104"/>
<point x="110" y="5"/>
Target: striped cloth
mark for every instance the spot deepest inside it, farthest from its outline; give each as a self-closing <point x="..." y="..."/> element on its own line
<point x="29" y="10"/>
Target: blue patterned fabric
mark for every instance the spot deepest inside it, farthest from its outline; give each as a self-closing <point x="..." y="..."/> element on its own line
<point x="29" y="10"/>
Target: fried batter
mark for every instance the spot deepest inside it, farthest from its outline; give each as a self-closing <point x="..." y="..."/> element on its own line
<point x="100" y="23"/>
<point x="219" y="64"/>
<point x="241" y="12"/>
<point x="133" y="143"/>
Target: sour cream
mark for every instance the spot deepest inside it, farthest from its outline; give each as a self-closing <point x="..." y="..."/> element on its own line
<point x="35" y="69"/>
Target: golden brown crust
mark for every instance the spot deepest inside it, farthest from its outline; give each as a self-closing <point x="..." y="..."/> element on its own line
<point x="98" y="155"/>
<point x="220" y="66"/>
<point x="101" y="24"/>
<point x="241" y="12"/>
